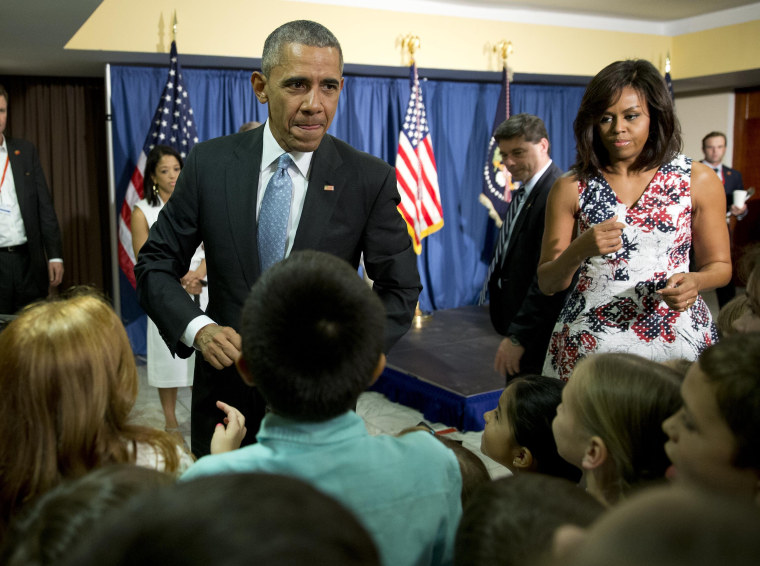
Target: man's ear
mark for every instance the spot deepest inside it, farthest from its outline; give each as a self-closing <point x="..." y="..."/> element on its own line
<point x="595" y="454"/>
<point x="522" y="458"/>
<point x="378" y="370"/>
<point x="259" y="82"/>
<point x="244" y="372"/>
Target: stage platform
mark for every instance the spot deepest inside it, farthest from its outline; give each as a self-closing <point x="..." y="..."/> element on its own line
<point x="444" y="368"/>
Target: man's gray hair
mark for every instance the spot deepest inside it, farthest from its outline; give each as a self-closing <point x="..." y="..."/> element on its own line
<point x="303" y="32"/>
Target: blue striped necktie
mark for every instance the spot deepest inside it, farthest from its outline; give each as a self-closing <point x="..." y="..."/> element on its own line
<point x="274" y="214"/>
<point x="501" y="244"/>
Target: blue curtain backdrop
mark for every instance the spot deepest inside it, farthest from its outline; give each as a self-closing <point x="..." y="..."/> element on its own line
<point x="455" y="259"/>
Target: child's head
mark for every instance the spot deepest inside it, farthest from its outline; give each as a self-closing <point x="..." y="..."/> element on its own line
<point x="518" y="432"/>
<point x="69" y="382"/>
<point x="51" y="527"/>
<point x="666" y="526"/>
<point x="714" y="439"/>
<point x="312" y="334"/>
<point x="510" y="521"/>
<point x="749" y="321"/>
<point x="732" y="311"/>
<point x="232" y="519"/>
<point x="609" y="422"/>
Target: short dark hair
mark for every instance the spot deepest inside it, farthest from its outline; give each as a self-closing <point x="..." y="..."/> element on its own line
<point x="303" y="32"/>
<point x="527" y="125"/>
<point x="511" y="521"/>
<point x="51" y="526"/>
<point x="664" y="141"/>
<point x="312" y="334"/>
<point x="151" y="163"/>
<point x="714" y="135"/>
<point x="530" y="411"/>
<point x="236" y="519"/>
<point x="731" y="365"/>
<point x="4" y="93"/>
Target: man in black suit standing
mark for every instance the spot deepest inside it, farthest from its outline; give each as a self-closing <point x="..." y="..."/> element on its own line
<point x="714" y="148"/>
<point x="337" y="200"/>
<point x="519" y="311"/>
<point x="30" y="239"/>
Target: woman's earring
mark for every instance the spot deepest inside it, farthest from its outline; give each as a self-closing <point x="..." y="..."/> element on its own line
<point x="155" y="189"/>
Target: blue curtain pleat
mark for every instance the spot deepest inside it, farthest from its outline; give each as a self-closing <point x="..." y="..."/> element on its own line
<point x="454" y="260"/>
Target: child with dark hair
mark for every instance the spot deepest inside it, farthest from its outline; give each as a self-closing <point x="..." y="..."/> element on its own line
<point x="235" y="520"/>
<point x="46" y="531"/>
<point x="518" y="432"/>
<point x="312" y="341"/>
<point x="511" y="521"/>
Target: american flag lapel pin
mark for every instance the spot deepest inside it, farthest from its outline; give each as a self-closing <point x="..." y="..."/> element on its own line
<point x="17" y="152"/>
<point x="329" y="187"/>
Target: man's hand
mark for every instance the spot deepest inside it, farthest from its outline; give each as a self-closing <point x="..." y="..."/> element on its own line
<point x="507" y="361"/>
<point x="738" y="210"/>
<point x="55" y="273"/>
<point x="228" y="436"/>
<point x="220" y="345"/>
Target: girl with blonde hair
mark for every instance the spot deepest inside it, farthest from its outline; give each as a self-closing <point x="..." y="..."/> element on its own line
<point x="609" y="422"/>
<point x="69" y="382"/>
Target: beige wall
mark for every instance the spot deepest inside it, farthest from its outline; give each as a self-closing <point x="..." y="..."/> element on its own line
<point x="701" y="114"/>
<point x="237" y="28"/>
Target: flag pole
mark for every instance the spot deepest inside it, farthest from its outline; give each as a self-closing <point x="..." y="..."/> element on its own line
<point x="410" y="44"/>
<point x="112" y="218"/>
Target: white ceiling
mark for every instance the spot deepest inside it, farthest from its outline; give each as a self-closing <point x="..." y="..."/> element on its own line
<point x="658" y="10"/>
<point x="33" y="32"/>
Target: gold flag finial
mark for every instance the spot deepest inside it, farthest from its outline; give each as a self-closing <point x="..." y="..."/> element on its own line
<point x="410" y="44"/>
<point x="174" y="27"/>
<point x="504" y="50"/>
<point x="667" y="63"/>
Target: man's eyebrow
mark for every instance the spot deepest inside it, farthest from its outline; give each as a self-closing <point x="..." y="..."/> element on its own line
<point x="331" y="81"/>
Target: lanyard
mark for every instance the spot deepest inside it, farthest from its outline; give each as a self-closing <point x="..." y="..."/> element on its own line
<point x="5" y="170"/>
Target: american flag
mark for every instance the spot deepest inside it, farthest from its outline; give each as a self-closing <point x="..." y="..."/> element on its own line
<point x="416" y="173"/>
<point x="173" y="125"/>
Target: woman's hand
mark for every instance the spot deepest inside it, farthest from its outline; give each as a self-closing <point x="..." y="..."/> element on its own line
<point x="601" y="239"/>
<point x="191" y="282"/>
<point x="681" y="291"/>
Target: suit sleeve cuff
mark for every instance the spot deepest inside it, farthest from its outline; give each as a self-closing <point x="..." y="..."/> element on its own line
<point x="188" y="336"/>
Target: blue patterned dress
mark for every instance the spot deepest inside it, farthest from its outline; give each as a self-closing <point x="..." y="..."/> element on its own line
<point x="615" y="306"/>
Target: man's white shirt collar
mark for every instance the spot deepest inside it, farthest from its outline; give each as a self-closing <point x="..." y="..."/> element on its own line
<point x="271" y="152"/>
<point x="534" y="179"/>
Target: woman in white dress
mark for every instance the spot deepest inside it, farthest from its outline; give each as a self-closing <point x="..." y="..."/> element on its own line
<point x="165" y="372"/>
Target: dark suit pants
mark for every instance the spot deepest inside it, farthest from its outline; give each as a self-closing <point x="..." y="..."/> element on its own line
<point x="210" y="386"/>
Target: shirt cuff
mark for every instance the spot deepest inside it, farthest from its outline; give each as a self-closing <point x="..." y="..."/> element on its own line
<point x="188" y="336"/>
<point x="55" y="260"/>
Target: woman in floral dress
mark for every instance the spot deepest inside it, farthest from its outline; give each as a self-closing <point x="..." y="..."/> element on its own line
<point x="625" y="218"/>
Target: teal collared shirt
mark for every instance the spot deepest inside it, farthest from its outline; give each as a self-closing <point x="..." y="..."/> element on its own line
<point x="405" y="490"/>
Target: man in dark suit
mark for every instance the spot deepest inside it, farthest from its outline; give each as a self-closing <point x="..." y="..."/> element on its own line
<point x="343" y="202"/>
<point x="518" y="309"/>
<point x="30" y="239"/>
<point x="714" y="148"/>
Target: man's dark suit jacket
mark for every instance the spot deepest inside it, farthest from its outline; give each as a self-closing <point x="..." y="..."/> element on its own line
<point x="40" y="223"/>
<point x="517" y="306"/>
<point x="350" y="208"/>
